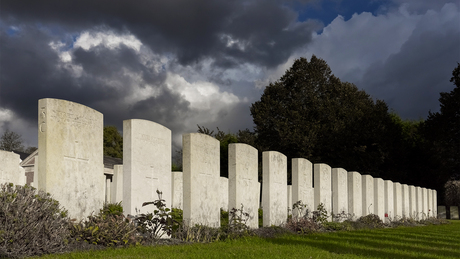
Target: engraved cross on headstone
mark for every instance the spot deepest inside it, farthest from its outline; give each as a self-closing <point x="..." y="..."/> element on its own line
<point x="77" y="157"/>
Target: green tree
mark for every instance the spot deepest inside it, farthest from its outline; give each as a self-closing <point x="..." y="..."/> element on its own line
<point x="310" y="113"/>
<point x="442" y="132"/>
<point x="10" y="141"/>
<point x="113" y="142"/>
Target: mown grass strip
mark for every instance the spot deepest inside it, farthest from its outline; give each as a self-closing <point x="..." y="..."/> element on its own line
<point x="440" y="241"/>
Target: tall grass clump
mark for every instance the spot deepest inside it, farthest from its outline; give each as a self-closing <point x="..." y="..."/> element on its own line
<point x="31" y="222"/>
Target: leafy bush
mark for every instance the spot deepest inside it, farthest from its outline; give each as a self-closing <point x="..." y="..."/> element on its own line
<point x="108" y="228"/>
<point x="198" y="233"/>
<point x="31" y="222"/>
<point x="155" y="225"/>
<point x="371" y="221"/>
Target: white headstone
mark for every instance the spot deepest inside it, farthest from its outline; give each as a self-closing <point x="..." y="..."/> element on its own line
<point x="243" y="185"/>
<point x="419" y="202"/>
<point x="355" y="200"/>
<point x="368" y="194"/>
<point x="405" y="200"/>
<point x="323" y="188"/>
<point x="146" y="165"/>
<point x="442" y="212"/>
<point x="177" y="190"/>
<point x="274" y="202"/>
<point x="397" y="200"/>
<point x="71" y="167"/>
<point x="289" y="199"/>
<point x="412" y="202"/>
<point x="435" y="203"/>
<point x="117" y="184"/>
<point x="223" y="194"/>
<point x="454" y="212"/>
<point x="430" y="202"/>
<point x="302" y="185"/>
<point x="389" y="207"/>
<point x="10" y="171"/>
<point x="424" y="203"/>
<point x="201" y="172"/>
<point x="339" y="194"/>
<point x="379" y="198"/>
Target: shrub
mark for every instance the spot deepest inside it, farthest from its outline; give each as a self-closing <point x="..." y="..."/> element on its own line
<point x="31" y="222"/>
<point x="371" y="221"/>
<point x="155" y="225"/>
<point x="108" y="228"/>
<point x="198" y="233"/>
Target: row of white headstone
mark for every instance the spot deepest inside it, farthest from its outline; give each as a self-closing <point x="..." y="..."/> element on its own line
<point x="71" y="161"/>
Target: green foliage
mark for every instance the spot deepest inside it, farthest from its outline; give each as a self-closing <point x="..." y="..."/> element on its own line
<point x="155" y="225"/>
<point x="177" y="215"/>
<point x="111" y="209"/>
<point x="105" y="229"/>
<point x="31" y="222"/>
<point x="113" y="142"/>
<point x="442" y="131"/>
<point x="371" y="221"/>
<point x="10" y="141"/>
<point x="310" y="113"/>
<point x="198" y="233"/>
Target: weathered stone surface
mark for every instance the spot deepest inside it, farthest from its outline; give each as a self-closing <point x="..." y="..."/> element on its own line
<point x="289" y="199"/>
<point x="201" y="172"/>
<point x="424" y="203"/>
<point x="430" y="202"/>
<point x="244" y="188"/>
<point x="405" y="200"/>
<point x="368" y="194"/>
<point x="412" y="202"/>
<point x="339" y="194"/>
<point x="389" y="207"/>
<point x="302" y="185"/>
<point x="223" y="194"/>
<point x="146" y="165"/>
<point x="71" y="155"/>
<point x="355" y="200"/>
<point x="177" y="190"/>
<point x="379" y="198"/>
<point x="442" y="212"/>
<point x="274" y="202"/>
<point x="453" y="212"/>
<point x="10" y="171"/>
<point x="419" y="203"/>
<point x="435" y="202"/>
<point x="323" y="187"/>
<point x="397" y="200"/>
<point x="117" y="184"/>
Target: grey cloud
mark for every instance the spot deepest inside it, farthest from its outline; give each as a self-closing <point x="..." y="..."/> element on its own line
<point x="399" y="80"/>
<point x="192" y="30"/>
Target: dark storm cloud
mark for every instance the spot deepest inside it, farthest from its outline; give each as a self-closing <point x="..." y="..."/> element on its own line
<point x="31" y="70"/>
<point x="192" y="30"/>
<point x="411" y="80"/>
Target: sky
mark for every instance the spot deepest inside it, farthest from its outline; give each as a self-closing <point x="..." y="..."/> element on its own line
<point x="181" y="63"/>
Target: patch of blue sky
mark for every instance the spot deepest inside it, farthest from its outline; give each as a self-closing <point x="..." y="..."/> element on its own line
<point x="326" y="11"/>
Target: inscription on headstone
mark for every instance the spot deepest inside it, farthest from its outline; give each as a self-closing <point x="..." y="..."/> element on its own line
<point x="71" y="156"/>
<point x="146" y="165"/>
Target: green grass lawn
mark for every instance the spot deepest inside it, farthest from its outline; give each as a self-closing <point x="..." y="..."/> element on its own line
<point x="436" y="241"/>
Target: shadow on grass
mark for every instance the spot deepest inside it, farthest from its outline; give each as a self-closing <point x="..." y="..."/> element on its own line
<point x="420" y="242"/>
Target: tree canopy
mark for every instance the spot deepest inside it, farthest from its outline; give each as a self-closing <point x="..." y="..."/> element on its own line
<point x="442" y="131"/>
<point x="310" y="113"/>
<point x="10" y="141"/>
<point x="113" y="142"/>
